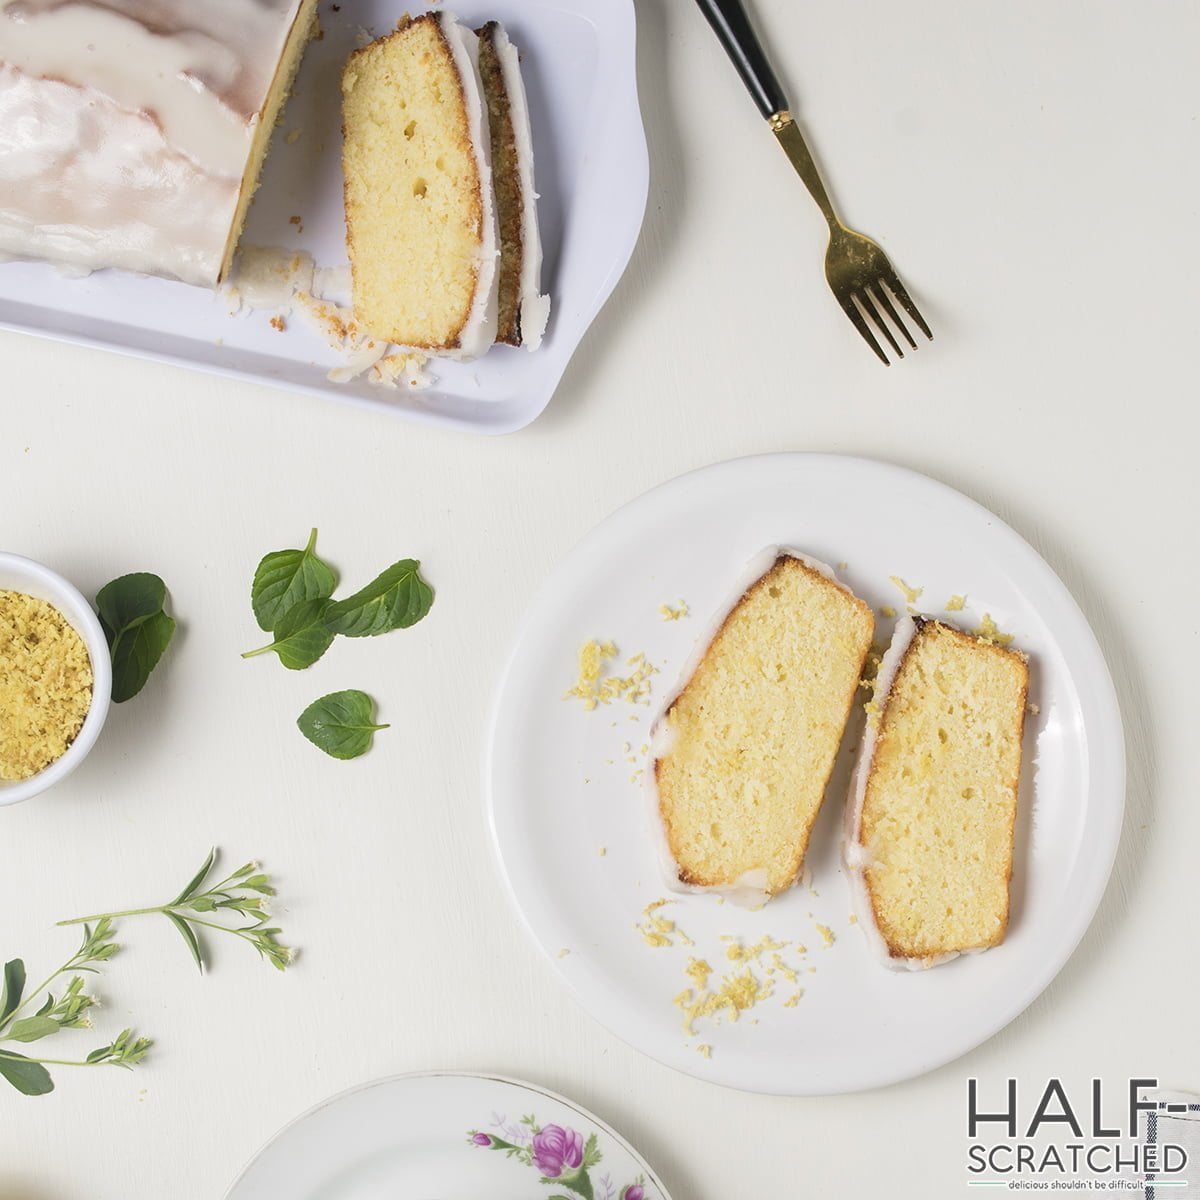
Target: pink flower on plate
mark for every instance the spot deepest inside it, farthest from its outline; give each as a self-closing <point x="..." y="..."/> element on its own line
<point x="634" y="1191"/>
<point x="555" y="1148"/>
<point x="481" y="1139"/>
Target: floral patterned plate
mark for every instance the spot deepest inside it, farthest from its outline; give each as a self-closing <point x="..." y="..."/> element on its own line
<point x="447" y="1136"/>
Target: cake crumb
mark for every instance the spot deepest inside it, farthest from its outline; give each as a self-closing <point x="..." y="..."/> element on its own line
<point x="956" y="603"/>
<point x="842" y="566"/>
<point x="853" y="920"/>
<point x="293" y="136"/>
<point x="989" y="631"/>
<point x="827" y="935"/>
<point x="563" y="952"/>
<point x="1033" y="709"/>
<point x="278" y="323"/>
<point x="293" y="220"/>
<point x="887" y="611"/>
<point x="911" y="594"/>
<point x="674" y="614"/>
<point x="793" y="999"/>
<point x="603" y="851"/>
<point x="704" y="1050"/>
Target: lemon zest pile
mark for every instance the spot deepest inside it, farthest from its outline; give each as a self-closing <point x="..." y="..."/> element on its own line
<point x="989" y="631"/>
<point x="594" y="687"/>
<point x="910" y="593"/>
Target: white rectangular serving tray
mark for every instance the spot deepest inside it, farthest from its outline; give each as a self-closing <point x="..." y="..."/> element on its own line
<point x="591" y="172"/>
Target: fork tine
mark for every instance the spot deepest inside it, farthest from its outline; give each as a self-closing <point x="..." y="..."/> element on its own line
<point x="881" y="295"/>
<point x="864" y="298"/>
<point x="893" y="281"/>
<point x="860" y="323"/>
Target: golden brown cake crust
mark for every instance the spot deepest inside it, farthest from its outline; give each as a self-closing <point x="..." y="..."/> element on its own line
<point x="927" y="628"/>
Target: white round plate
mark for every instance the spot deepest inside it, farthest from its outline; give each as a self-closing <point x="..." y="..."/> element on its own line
<point x="570" y="815"/>
<point x="447" y="1136"/>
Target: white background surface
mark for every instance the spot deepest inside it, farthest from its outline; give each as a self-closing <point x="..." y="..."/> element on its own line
<point x="1032" y="170"/>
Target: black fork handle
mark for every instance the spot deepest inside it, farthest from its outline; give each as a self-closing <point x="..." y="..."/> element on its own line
<point x="731" y="23"/>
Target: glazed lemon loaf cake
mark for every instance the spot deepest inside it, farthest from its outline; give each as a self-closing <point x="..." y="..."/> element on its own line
<point x="132" y="131"/>
<point x="522" y="310"/>
<point x="743" y="753"/>
<point x="421" y="226"/>
<point x="934" y="798"/>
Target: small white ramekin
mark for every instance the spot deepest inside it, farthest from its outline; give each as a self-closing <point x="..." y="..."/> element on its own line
<point x="19" y="574"/>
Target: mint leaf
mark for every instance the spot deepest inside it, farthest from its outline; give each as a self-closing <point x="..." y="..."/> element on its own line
<point x="342" y="723"/>
<point x="137" y="629"/>
<point x="28" y="1077"/>
<point x="130" y="600"/>
<point x="285" y="578"/>
<point x="136" y="653"/>
<point x="301" y="636"/>
<point x="395" y="600"/>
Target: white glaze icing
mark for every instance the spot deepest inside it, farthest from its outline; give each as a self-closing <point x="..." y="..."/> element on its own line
<point x="535" y="308"/>
<point x="126" y="127"/>
<point x="855" y="855"/>
<point x="749" y="889"/>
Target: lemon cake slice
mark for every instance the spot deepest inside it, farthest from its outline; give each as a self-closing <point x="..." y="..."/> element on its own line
<point x="420" y="214"/>
<point x="522" y="310"/>
<point x="743" y="753"/>
<point x="929" y="840"/>
<point x="132" y="131"/>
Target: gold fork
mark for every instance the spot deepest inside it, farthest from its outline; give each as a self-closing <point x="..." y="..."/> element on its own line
<point x="859" y="273"/>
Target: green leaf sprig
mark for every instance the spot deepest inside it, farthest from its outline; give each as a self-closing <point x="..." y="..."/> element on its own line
<point x="342" y="723"/>
<point x="291" y="595"/>
<point x="69" y="1010"/>
<point x="137" y="628"/>
<point x="243" y="893"/>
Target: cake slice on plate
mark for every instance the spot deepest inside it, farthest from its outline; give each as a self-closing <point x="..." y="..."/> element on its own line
<point x="930" y="822"/>
<point x="743" y="753"/>
<point x="420" y="212"/>
<point x="523" y="310"/>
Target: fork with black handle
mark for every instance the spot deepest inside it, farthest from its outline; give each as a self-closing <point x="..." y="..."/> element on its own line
<point x="857" y="269"/>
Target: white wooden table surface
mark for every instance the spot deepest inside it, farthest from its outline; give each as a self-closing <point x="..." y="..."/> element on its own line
<point x="1034" y="170"/>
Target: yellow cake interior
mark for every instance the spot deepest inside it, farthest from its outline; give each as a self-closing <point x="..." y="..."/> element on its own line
<point x="940" y="802"/>
<point x="414" y="208"/>
<point x="753" y="735"/>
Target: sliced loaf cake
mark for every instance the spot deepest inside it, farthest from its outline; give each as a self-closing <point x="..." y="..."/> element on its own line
<point x="744" y="751"/>
<point x="930" y="822"/>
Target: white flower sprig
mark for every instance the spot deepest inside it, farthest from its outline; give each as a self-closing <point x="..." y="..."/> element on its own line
<point x="27" y="1073"/>
<point x="244" y="893"/>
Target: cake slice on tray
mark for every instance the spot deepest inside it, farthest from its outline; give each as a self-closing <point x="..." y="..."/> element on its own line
<point x="743" y="753"/>
<point x="420" y="207"/>
<point x="929" y="839"/>
<point x="523" y="310"/>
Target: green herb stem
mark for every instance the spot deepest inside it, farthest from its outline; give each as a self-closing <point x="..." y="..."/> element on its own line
<point x="129" y="912"/>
